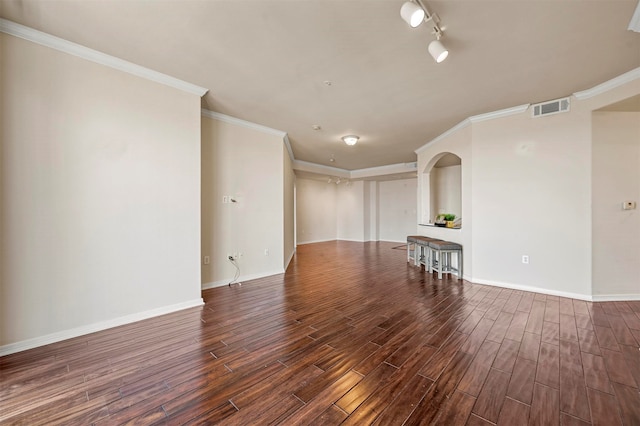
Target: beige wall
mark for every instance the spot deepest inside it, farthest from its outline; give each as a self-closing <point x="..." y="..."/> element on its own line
<point x="528" y="186"/>
<point x="397" y="209"/>
<point x="100" y="201"/>
<point x="531" y="196"/>
<point x="350" y="211"/>
<point x="360" y="211"/>
<point x="616" y="178"/>
<point x="446" y="191"/>
<point x="246" y="164"/>
<point x="316" y="204"/>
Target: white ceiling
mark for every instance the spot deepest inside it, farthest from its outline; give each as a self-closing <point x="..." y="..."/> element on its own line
<point x="266" y="61"/>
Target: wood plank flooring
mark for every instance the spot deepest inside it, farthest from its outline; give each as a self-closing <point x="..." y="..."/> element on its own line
<point x="353" y="335"/>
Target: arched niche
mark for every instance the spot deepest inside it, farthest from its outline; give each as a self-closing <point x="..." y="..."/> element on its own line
<point x="442" y="187"/>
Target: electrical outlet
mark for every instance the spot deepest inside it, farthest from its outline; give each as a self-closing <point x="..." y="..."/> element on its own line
<point x="207" y="260"/>
<point x="266" y="252"/>
<point x="525" y="259"/>
<point x="225" y="199"/>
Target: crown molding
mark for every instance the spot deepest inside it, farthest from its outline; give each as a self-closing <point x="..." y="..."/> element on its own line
<point x="243" y="123"/>
<point x="57" y="43"/>
<point x="371" y="172"/>
<point x="625" y="78"/>
<point x="476" y="119"/>
<point x="306" y="166"/>
<point x="499" y="114"/>
<point x="634" y="24"/>
<point x="464" y="123"/>
<point x="389" y="169"/>
<point x="253" y="126"/>
<point x="285" y="139"/>
<point x="585" y="94"/>
<point x="321" y="169"/>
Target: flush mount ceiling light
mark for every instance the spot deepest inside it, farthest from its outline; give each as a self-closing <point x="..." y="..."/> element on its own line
<point x="350" y="139"/>
<point x="416" y="13"/>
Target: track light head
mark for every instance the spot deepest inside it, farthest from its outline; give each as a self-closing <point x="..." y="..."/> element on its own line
<point x="438" y="51"/>
<point x="412" y="14"/>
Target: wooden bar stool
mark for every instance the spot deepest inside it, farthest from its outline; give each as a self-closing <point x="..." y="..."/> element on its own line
<point x="443" y="250"/>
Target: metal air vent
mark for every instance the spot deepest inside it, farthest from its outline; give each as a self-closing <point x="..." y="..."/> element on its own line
<point x="550" y="107"/>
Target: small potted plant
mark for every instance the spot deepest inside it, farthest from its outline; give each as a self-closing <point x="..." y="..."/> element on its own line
<point x="449" y="218"/>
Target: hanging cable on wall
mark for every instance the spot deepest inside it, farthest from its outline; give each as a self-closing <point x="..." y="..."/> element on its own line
<point x="237" y="274"/>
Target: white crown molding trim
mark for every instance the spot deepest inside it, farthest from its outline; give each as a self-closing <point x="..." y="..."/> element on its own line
<point x="625" y="78"/>
<point x="287" y="144"/>
<point x="243" y="123"/>
<point x="83" y="52"/>
<point x="321" y="169"/>
<point x="384" y="170"/>
<point x="92" y="328"/>
<point x="500" y="113"/>
<point x="249" y="125"/>
<point x="464" y="123"/>
<point x="241" y="279"/>
<point x="476" y="119"/>
<point x="634" y="24"/>
<point x="585" y="94"/>
<point x="493" y="283"/>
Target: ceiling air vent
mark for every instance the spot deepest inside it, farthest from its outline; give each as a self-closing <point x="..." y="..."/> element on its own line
<point x="550" y="107"/>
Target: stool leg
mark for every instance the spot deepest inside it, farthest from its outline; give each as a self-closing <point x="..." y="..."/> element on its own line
<point x="432" y="259"/>
<point x="447" y="266"/>
<point x="460" y="264"/>
<point x="440" y="264"/>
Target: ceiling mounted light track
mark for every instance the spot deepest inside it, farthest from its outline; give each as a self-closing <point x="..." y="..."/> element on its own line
<point x="416" y="13"/>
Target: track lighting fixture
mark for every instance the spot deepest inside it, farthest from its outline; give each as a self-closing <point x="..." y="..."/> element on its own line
<point x="416" y="13"/>
<point x="350" y="139"/>
<point x="438" y="51"/>
<point x="412" y="13"/>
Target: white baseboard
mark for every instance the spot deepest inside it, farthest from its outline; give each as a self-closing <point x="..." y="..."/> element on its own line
<point x="614" y="297"/>
<point x="532" y="289"/>
<point x="286" y="265"/>
<point x="301" y="243"/>
<point x="579" y="296"/>
<point x="92" y="328"/>
<point x="242" y="278"/>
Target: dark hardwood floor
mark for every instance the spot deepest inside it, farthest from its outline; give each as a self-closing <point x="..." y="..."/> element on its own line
<point x="352" y="335"/>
